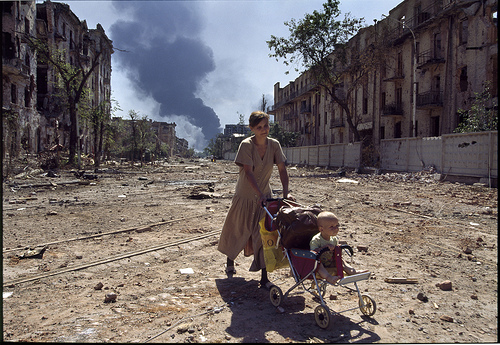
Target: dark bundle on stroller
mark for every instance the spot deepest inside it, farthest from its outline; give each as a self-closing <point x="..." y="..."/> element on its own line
<point x="297" y="225"/>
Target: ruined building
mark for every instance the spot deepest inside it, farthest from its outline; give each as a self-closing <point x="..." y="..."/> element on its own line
<point x="34" y="114"/>
<point x="165" y="133"/>
<point x="20" y="119"/>
<point x="437" y="54"/>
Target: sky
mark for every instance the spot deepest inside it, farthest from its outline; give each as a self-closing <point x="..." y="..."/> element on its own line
<point x="201" y="63"/>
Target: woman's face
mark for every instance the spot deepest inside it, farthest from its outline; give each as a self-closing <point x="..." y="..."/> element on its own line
<point x="261" y="129"/>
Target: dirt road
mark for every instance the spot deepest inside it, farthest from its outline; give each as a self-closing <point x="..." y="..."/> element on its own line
<point x="130" y="256"/>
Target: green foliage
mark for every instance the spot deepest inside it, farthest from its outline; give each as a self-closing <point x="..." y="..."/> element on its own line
<point x="286" y="139"/>
<point x="315" y="37"/>
<point x="215" y="146"/>
<point x="115" y="139"/>
<point x="141" y="136"/>
<point x="318" y="44"/>
<point x="481" y="116"/>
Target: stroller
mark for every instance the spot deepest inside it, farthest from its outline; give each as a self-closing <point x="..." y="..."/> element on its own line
<point x="282" y="251"/>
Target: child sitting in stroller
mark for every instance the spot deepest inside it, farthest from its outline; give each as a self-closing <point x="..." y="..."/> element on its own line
<point x="328" y="226"/>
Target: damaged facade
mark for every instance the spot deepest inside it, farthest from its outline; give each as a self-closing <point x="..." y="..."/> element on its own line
<point x="37" y="118"/>
<point x="20" y="119"/>
<point x="165" y="133"/>
<point x="438" y="54"/>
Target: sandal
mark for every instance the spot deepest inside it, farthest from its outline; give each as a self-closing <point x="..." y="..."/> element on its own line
<point x="267" y="285"/>
<point x="230" y="270"/>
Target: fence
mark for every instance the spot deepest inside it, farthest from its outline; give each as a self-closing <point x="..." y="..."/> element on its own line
<point x="464" y="154"/>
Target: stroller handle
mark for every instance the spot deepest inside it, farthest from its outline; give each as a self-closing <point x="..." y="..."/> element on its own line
<point x="265" y="208"/>
<point x="285" y="200"/>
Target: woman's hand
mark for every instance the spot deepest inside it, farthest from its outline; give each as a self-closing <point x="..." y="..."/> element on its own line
<point x="262" y="200"/>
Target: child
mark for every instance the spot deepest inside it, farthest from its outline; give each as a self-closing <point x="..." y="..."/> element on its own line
<point x="328" y="226"/>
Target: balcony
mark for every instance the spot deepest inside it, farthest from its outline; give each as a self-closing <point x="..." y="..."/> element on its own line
<point x="393" y="109"/>
<point x="289" y="116"/>
<point x="429" y="57"/>
<point x="59" y="37"/>
<point x="395" y="77"/>
<point x="431" y="99"/>
<point x="423" y="17"/>
<point x="15" y="66"/>
<point x="305" y="109"/>
<point x="299" y="92"/>
<point x="336" y="123"/>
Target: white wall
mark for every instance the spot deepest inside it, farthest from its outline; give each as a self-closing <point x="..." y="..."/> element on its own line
<point x="464" y="154"/>
<point x="468" y="154"/>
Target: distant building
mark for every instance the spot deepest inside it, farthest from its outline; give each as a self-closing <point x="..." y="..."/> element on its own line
<point x="238" y="129"/>
<point x="181" y="146"/>
<point x="233" y="135"/>
<point x="165" y="133"/>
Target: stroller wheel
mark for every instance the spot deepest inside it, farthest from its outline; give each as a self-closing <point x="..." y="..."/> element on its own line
<point x="276" y="295"/>
<point x="367" y="305"/>
<point x="322" y="316"/>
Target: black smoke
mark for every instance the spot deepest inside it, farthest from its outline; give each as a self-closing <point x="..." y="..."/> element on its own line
<point x="158" y="43"/>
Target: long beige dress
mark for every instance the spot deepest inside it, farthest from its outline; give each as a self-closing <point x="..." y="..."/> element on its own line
<point x="242" y="220"/>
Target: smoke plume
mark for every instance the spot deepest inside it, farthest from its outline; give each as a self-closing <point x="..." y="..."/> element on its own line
<point x="160" y="48"/>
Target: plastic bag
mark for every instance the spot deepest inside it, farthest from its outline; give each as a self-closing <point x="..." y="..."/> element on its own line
<point x="273" y="253"/>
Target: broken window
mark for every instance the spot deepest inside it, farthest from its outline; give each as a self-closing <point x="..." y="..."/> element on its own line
<point x="463" y="79"/>
<point x="397" y="129"/>
<point x="437" y="46"/>
<point x="400" y="64"/>
<point x="26" y="97"/>
<point x="13" y="93"/>
<point x="463" y="32"/>
<point x="8" y="47"/>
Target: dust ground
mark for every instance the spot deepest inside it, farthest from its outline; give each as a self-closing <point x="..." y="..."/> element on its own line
<point x="116" y="252"/>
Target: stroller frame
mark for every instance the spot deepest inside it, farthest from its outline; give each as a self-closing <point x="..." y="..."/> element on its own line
<point x="322" y="312"/>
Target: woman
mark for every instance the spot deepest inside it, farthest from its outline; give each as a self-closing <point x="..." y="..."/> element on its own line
<point x="256" y="157"/>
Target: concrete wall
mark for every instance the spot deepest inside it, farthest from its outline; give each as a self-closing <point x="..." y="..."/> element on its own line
<point x="334" y="155"/>
<point x="468" y="154"/>
<point x="229" y="156"/>
<point x="465" y="155"/>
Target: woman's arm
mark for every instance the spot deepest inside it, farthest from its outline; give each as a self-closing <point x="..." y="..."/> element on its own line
<point x="284" y="181"/>
<point x="253" y="182"/>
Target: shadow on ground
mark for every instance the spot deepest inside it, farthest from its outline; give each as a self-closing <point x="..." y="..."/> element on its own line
<point x="255" y="319"/>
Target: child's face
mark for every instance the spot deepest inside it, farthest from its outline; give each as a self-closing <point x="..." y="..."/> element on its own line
<point x="329" y="227"/>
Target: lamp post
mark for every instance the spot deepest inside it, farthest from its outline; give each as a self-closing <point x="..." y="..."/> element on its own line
<point x="414" y="78"/>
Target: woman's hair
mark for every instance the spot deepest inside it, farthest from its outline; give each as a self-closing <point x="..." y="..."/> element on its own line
<point x="256" y="117"/>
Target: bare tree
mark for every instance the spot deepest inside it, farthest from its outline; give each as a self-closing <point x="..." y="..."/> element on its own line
<point x="263" y="103"/>
<point x="72" y="79"/>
